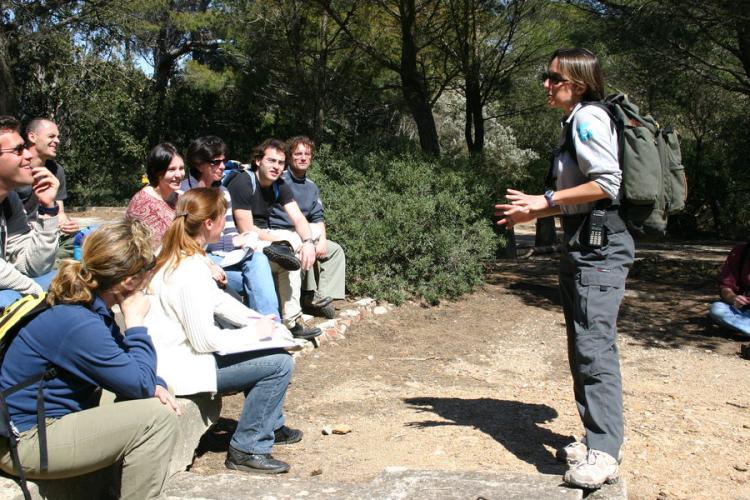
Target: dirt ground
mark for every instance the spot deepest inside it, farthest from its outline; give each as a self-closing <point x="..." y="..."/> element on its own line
<point x="482" y="384"/>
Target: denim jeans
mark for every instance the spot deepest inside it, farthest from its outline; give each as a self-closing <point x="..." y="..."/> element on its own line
<point x="252" y="278"/>
<point x="263" y="376"/>
<point x="730" y="317"/>
<point x="7" y="297"/>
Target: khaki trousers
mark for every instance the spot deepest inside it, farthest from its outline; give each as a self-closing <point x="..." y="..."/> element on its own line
<point x="327" y="276"/>
<point x="140" y="433"/>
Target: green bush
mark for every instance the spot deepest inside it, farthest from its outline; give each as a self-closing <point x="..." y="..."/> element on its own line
<point x="406" y="223"/>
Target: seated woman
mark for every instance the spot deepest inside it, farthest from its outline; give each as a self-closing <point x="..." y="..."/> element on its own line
<point x="252" y="276"/>
<point x="733" y="310"/>
<point x="196" y="355"/>
<point x="78" y="336"/>
<point x="154" y="204"/>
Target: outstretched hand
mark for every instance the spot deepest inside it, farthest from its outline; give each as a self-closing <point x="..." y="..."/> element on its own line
<point x="521" y="208"/>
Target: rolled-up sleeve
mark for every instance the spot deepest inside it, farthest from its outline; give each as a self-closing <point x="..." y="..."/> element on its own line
<point x="596" y="146"/>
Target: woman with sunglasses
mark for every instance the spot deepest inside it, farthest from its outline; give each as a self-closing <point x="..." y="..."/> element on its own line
<point x="196" y="355"/>
<point x="80" y="339"/>
<point x="597" y="253"/>
<point x="154" y="203"/>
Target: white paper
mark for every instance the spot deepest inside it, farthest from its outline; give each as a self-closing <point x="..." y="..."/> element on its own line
<point x="235" y="257"/>
<point x="268" y="343"/>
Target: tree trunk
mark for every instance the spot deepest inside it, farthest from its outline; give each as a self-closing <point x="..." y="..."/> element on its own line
<point x="8" y="101"/>
<point x="413" y="83"/>
<point x="545" y="232"/>
<point x="474" y="114"/>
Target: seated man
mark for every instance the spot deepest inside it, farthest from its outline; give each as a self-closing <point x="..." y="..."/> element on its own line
<point x="733" y="310"/>
<point x="253" y="193"/>
<point x="26" y="251"/>
<point x="251" y="277"/>
<point x="42" y="140"/>
<point x="325" y="281"/>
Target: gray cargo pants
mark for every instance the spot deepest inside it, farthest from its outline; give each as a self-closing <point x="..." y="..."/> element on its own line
<point x="592" y="285"/>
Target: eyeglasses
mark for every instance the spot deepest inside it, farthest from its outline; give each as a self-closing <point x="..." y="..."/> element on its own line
<point x="18" y="150"/>
<point x="554" y="78"/>
<point x="216" y="163"/>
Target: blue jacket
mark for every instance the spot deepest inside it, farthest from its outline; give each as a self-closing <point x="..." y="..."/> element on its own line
<point x="86" y="346"/>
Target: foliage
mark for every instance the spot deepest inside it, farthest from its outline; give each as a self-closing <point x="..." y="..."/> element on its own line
<point x="371" y="81"/>
<point x="406" y="223"/>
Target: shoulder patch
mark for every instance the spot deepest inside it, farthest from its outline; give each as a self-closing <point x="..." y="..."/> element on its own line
<point x="585" y="132"/>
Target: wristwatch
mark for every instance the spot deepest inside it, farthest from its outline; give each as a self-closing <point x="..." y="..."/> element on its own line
<point x="42" y="210"/>
<point x="307" y="240"/>
<point x="548" y="196"/>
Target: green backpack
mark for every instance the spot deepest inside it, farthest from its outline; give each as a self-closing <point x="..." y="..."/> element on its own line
<point x="654" y="185"/>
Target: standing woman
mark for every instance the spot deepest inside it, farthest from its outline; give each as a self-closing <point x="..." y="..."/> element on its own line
<point x="196" y="355"/>
<point x="154" y="204"/>
<point x="592" y="274"/>
<point x="79" y="337"/>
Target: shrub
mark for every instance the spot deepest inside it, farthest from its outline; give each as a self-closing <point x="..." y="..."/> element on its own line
<point x="406" y="223"/>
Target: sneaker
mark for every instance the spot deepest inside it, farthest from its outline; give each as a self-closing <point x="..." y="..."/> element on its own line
<point x="287" y="435"/>
<point x="300" y="332"/>
<point x="593" y="471"/>
<point x="573" y="452"/>
<point x="282" y="253"/>
<point x="262" y="463"/>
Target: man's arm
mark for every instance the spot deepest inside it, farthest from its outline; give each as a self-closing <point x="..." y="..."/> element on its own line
<point x="66" y="224"/>
<point x="319" y="234"/>
<point x="33" y="253"/>
<point x="12" y="279"/>
<point x="307" y="252"/>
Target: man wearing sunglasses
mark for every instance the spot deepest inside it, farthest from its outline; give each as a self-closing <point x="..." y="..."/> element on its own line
<point x="26" y="250"/>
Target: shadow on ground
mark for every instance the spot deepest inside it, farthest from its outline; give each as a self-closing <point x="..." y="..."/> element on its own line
<point x="217" y="438"/>
<point x="513" y="424"/>
<point x="668" y="292"/>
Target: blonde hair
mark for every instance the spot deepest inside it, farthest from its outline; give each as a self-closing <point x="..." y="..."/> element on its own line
<point x="582" y="68"/>
<point x="111" y="253"/>
<point x="193" y="207"/>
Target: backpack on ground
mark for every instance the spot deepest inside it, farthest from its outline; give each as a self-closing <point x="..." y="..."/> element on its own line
<point x="654" y="185"/>
<point x="12" y="319"/>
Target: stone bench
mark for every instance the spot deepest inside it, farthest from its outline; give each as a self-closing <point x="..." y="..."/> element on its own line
<point x="199" y="413"/>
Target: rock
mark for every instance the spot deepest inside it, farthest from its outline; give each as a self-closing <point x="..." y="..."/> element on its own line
<point x="367" y="302"/>
<point x="199" y="413"/>
<point x="379" y="310"/>
<point x="327" y="430"/>
<point x="341" y="429"/>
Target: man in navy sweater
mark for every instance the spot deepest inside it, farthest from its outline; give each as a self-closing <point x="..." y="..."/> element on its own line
<point x="326" y="280"/>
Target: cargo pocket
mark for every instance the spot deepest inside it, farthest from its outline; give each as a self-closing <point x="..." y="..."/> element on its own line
<point x="600" y="291"/>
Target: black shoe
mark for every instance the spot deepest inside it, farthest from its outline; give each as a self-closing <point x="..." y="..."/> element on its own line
<point x="315" y="299"/>
<point x="300" y="332"/>
<point x="286" y="435"/>
<point x="262" y="463"/>
<point x="282" y="253"/>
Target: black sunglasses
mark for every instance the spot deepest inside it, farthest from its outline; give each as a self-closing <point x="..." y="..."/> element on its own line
<point x="215" y="163"/>
<point x="18" y="150"/>
<point x="554" y="78"/>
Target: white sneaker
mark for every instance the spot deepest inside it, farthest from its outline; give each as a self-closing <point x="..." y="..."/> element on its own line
<point x="573" y="452"/>
<point x="593" y="471"/>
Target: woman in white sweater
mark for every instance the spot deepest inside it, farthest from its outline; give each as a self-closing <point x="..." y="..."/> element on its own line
<point x="195" y="355"/>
